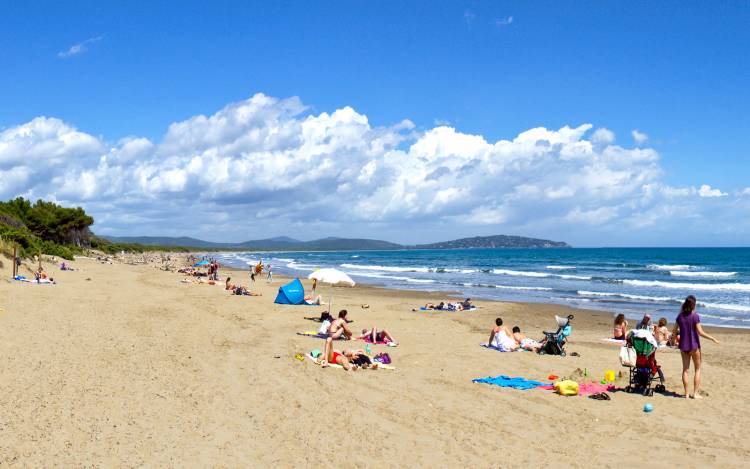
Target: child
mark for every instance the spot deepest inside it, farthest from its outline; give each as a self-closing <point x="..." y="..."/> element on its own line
<point x="662" y="334"/>
<point x="525" y="342"/>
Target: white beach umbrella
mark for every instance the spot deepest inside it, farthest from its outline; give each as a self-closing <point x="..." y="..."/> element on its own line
<point x="332" y="277"/>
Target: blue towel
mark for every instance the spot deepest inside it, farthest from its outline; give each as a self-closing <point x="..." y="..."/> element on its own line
<point x="508" y="382"/>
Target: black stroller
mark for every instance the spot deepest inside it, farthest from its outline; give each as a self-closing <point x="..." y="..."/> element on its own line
<point x="554" y="342"/>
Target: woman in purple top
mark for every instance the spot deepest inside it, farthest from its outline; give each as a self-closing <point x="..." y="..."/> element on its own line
<point x="688" y="323"/>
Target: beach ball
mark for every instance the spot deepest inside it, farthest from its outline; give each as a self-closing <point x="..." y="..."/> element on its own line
<point x="648" y="408"/>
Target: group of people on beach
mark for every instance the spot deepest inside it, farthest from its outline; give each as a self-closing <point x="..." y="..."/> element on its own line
<point x="506" y="340"/>
<point x="450" y="306"/>
<point x="338" y="329"/>
<point x="685" y="335"/>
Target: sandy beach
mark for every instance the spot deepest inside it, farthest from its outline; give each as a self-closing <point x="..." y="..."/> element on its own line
<point x="123" y="365"/>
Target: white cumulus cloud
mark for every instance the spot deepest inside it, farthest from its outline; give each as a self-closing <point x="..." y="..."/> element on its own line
<point x="639" y="137"/>
<point x="268" y="166"/>
<point x="706" y="191"/>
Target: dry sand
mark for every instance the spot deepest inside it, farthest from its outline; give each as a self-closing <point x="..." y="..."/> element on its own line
<point x="123" y="365"/>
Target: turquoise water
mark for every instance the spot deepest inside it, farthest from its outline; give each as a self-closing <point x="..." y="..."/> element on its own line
<point x="628" y="280"/>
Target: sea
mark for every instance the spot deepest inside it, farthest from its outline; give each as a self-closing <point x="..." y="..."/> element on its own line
<point x="632" y="281"/>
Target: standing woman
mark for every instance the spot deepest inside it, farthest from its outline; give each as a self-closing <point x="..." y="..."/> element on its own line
<point x="688" y="323"/>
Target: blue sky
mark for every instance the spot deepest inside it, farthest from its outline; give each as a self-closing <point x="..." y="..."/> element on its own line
<point x="675" y="71"/>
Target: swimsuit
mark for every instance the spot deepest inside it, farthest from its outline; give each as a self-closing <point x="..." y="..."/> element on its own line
<point x="336" y="355"/>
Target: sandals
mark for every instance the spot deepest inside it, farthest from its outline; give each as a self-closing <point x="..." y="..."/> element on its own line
<point x="600" y="396"/>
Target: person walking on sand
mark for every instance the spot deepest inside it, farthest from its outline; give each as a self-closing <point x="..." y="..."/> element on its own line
<point x="269" y="278"/>
<point x="688" y="324"/>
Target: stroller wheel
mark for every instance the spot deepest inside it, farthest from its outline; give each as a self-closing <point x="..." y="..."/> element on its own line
<point x="562" y="353"/>
<point x="628" y="388"/>
<point x="660" y="388"/>
<point x="648" y="392"/>
<point x="542" y="352"/>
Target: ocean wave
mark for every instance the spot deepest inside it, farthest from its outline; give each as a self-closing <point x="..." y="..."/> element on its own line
<point x="519" y="273"/>
<point x="681" y="273"/>
<point x="669" y="267"/>
<point x="728" y="307"/>
<point x="391" y="277"/>
<point x="627" y="296"/>
<point x="690" y="286"/>
<point x="509" y="287"/>
<point x="295" y="266"/>
<point x="561" y="267"/>
<point x="384" y="268"/>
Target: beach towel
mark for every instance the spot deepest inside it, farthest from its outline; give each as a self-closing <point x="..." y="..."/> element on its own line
<point x="368" y="340"/>
<point x="381" y="366"/>
<point x="585" y="389"/>
<point x="508" y="382"/>
<point x="486" y="345"/>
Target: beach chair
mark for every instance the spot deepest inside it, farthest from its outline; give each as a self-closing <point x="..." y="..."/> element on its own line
<point x="554" y="342"/>
<point x="641" y="376"/>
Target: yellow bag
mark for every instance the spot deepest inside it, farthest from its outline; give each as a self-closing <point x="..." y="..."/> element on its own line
<point x="566" y="388"/>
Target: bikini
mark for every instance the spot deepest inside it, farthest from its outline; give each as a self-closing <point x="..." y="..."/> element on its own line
<point x="335" y="356"/>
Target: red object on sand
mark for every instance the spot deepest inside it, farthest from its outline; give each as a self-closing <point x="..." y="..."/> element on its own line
<point x="552" y="377"/>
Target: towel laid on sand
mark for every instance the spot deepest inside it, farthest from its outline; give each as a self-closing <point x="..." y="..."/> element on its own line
<point x="508" y="382"/>
<point x="585" y="389"/>
<point x="486" y="345"/>
<point x="381" y="366"/>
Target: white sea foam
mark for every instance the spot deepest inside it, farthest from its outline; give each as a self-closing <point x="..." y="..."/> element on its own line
<point x="625" y="295"/>
<point x="690" y="286"/>
<point x="669" y="267"/>
<point x="391" y="277"/>
<point x="384" y="268"/>
<point x="519" y="273"/>
<point x="560" y="267"/>
<point x="295" y="266"/>
<point x="509" y="287"/>
<point x="728" y="307"/>
<point x="682" y="273"/>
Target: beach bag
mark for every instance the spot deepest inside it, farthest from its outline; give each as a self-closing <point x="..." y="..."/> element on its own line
<point x="627" y="356"/>
<point x="566" y="388"/>
<point x="383" y="358"/>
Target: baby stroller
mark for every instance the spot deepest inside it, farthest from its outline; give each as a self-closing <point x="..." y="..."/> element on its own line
<point x="645" y="369"/>
<point x="554" y="342"/>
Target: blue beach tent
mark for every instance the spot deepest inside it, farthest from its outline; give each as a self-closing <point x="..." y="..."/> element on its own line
<point x="201" y="263"/>
<point x="293" y="293"/>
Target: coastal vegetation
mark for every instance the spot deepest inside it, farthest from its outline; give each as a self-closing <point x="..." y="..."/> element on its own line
<point x="48" y="228"/>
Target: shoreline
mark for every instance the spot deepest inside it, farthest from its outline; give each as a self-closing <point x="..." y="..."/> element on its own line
<point x="428" y="296"/>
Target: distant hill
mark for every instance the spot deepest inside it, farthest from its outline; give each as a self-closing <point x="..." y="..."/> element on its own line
<point x="284" y="243"/>
<point x="497" y="241"/>
<point x="281" y="243"/>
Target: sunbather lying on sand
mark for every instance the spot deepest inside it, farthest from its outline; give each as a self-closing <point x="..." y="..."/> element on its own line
<point x="238" y="289"/>
<point x="317" y="301"/>
<point x="339" y="327"/>
<point x="501" y="338"/>
<point x="524" y="342"/>
<point x="350" y="360"/>
<point x="376" y="336"/>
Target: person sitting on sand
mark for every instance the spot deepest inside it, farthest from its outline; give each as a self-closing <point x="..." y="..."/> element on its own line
<point x="466" y="304"/>
<point x="350" y="360"/>
<point x="501" y="338"/>
<point x="377" y="336"/>
<point x="621" y="328"/>
<point x="238" y="289"/>
<point x="524" y="342"/>
<point x="340" y="327"/>
<point x="661" y="333"/>
<point x="645" y="323"/>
